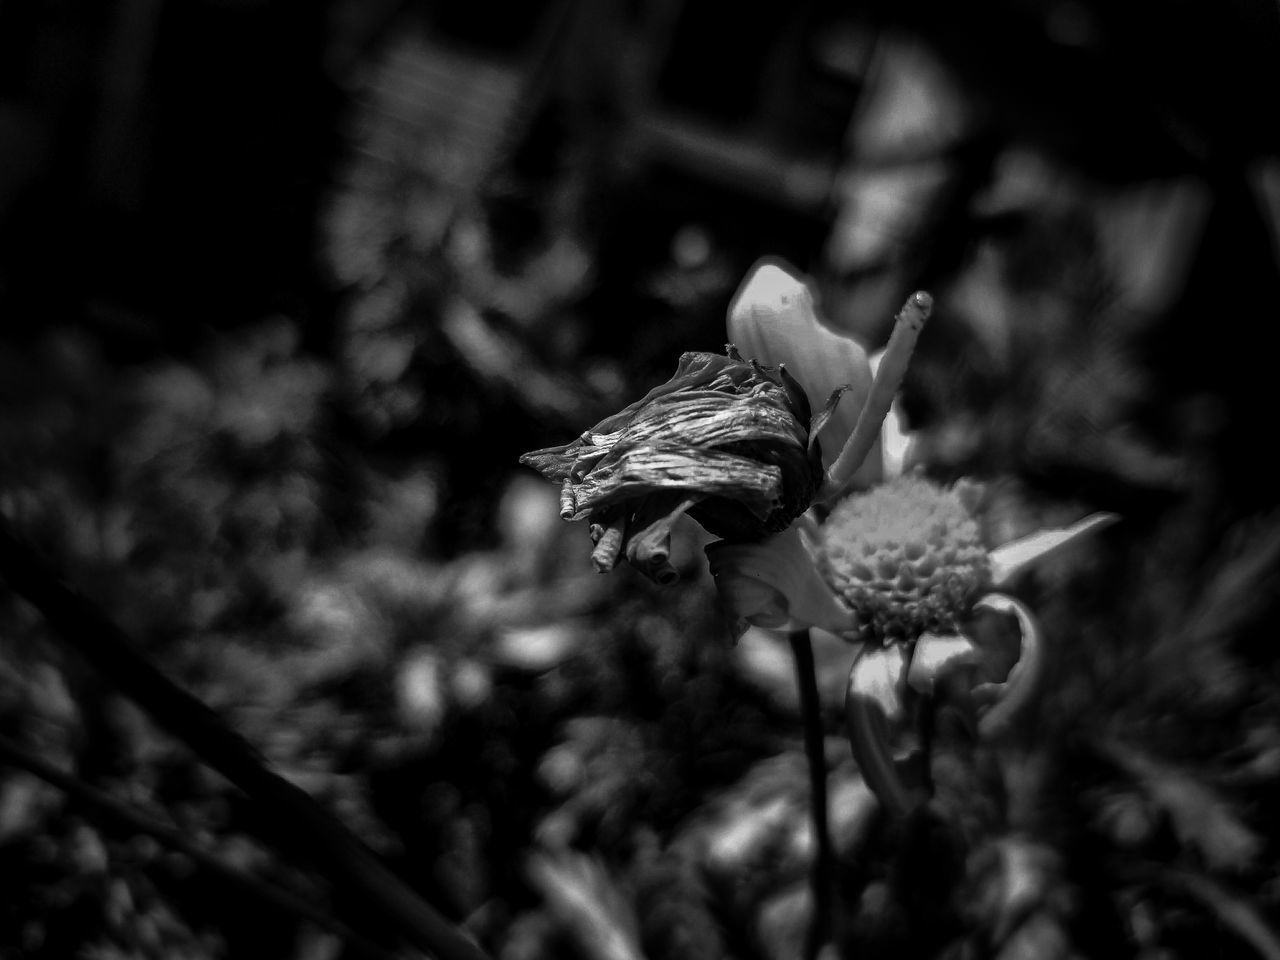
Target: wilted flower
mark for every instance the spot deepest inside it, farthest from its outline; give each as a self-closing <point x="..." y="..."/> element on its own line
<point x="729" y="441"/>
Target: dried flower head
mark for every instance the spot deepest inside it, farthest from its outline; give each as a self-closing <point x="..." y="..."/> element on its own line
<point x="728" y="441"/>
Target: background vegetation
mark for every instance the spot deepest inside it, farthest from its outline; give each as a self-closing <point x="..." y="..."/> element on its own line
<point x="288" y="287"/>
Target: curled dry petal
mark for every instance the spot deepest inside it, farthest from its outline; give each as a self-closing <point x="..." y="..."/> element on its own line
<point x="772" y="319"/>
<point x="1023" y="683"/>
<point x="775" y="584"/>
<point x="726" y="441"/>
<point x="649" y="545"/>
<point x="1012" y="558"/>
<point x="873" y="705"/>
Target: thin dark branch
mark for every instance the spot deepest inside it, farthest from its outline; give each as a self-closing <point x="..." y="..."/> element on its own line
<point x="294" y="820"/>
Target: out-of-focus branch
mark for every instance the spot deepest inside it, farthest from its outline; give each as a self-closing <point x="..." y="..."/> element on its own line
<point x="1233" y="912"/>
<point x="103" y="806"/>
<point x="295" y="822"/>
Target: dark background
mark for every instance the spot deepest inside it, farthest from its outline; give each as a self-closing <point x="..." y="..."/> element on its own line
<point x="287" y="288"/>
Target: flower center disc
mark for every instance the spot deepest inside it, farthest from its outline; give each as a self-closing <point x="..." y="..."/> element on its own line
<point x="906" y="557"/>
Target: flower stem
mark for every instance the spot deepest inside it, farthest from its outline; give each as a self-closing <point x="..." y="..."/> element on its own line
<point x="815" y="752"/>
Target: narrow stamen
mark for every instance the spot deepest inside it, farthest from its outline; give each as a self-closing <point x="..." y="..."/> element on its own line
<point x="893" y="366"/>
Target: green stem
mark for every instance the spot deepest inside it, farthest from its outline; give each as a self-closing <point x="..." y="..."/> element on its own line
<point x="294" y="820"/>
<point x="815" y="751"/>
<point x="104" y="806"/>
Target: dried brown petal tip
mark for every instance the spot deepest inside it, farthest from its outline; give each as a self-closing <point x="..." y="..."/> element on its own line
<point x="649" y="540"/>
<point x="568" y="505"/>
<point x="608" y="543"/>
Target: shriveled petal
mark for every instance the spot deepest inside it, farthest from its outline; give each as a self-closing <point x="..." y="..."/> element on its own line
<point x="1015" y="556"/>
<point x="695" y="371"/>
<point x="772" y="319"/>
<point x="732" y="433"/>
<point x="649" y="535"/>
<point x="775" y="583"/>
<point x="705" y="419"/>
<point x="702" y="382"/>
<point x="872" y="707"/>
<point x="937" y="657"/>
<point x="1011" y="697"/>
<point x="642" y="470"/>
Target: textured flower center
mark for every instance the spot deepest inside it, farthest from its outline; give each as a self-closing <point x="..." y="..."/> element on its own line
<point x="906" y="557"/>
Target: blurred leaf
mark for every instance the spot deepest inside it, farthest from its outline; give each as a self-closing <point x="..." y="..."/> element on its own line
<point x="589" y="903"/>
<point x="675" y="906"/>
<point x="1202" y="820"/>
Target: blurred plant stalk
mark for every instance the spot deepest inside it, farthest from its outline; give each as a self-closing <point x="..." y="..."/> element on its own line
<point x="297" y="823"/>
<point x="107" y="808"/>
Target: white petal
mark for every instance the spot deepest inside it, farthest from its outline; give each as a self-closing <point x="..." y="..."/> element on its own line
<point x="775" y="583"/>
<point x="1012" y="696"/>
<point x="1015" y="556"/>
<point x="936" y="657"/>
<point x="879" y="677"/>
<point x="873" y="708"/>
<point x="772" y="319"/>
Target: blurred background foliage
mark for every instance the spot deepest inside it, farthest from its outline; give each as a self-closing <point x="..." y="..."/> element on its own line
<point x="287" y="288"/>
